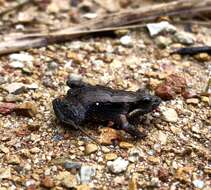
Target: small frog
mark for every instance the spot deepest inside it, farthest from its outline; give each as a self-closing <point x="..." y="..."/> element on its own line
<point x="85" y="102"/>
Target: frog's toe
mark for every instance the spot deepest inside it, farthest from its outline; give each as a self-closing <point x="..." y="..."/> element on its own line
<point x="133" y="131"/>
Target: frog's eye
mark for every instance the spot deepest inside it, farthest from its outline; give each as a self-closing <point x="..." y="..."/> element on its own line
<point x="147" y="99"/>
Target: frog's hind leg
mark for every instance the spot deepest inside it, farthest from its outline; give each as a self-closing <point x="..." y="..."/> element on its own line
<point x="127" y="127"/>
<point x="68" y="113"/>
<point x="59" y="110"/>
<point x="135" y="117"/>
<point x="65" y="115"/>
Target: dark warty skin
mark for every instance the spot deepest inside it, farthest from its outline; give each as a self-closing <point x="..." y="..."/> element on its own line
<point x="86" y="103"/>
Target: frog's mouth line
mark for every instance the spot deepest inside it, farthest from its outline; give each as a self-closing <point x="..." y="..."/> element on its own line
<point x="136" y="111"/>
<point x="143" y="111"/>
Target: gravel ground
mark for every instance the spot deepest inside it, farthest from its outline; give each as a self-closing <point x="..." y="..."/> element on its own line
<point x="36" y="152"/>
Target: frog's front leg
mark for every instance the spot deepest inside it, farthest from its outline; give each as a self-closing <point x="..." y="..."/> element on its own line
<point x="127" y="127"/>
<point x="135" y="116"/>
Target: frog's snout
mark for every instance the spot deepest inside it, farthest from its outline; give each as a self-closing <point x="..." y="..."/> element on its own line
<point x="156" y="101"/>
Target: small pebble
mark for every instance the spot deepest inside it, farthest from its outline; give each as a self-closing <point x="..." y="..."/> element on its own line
<point x="184" y="38"/>
<point x="162" y="41"/>
<point x="163" y="174"/>
<point x="125" y="145"/>
<point x="35" y="150"/>
<point x="207" y="170"/>
<point x="170" y="115"/>
<point x="52" y="65"/>
<point x="10" y="98"/>
<point x="110" y="156"/>
<point x="126" y="41"/>
<point x="72" y="165"/>
<point x="67" y="179"/>
<point x="193" y="101"/>
<point x="16" y="65"/>
<point x="83" y="187"/>
<point x="202" y="57"/>
<point x="198" y="183"/>
<point x="135" y="154"/>
<point x="117" y="166"/>
<point x="90" y="15"/>
<point x="47" y="182"/>
<point x="14" y="88"/>
<point x="22" y="57"/>
<point x="154" y="160"/>
<point x="27" y="109"/>
<point x="74" y="57"/>
<point x="18" y="88"/>
<point x="162" y="137"/>
<point x="122" y="32"/>
<point x="105" y="149"/>
<point x="90" y="148"/>
<point x="157" y="28"/>
<point x="108" y="135"/>
<point x="206" y="99"/>
<point x="86" y="174"/>
<point x="5" y="173"/>
<point x="195" y="129"/>
<point x="75" y="77"/>
<point x="4" y="149"/>
<point x="132" y="184"/>
<point x="2" y="80"/>
<point x="14" y="159"/>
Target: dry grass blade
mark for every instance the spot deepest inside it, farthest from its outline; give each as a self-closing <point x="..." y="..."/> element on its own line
<point x="16" y="6"/>
<point x="208" y="85"/>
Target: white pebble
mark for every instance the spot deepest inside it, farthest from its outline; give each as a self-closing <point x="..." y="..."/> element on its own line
<point x="198" y="183"/>
<point x="169" y="115"/>
<point x="117" y="166"/>
<point x="126" y="41"/>
<point x="22" y="57"/>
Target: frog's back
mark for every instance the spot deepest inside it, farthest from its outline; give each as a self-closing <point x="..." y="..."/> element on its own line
<point x="95" y="94"/>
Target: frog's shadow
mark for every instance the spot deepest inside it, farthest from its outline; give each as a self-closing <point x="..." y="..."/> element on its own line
<point x="56" y="125"/>
<point x="93" y="127"/>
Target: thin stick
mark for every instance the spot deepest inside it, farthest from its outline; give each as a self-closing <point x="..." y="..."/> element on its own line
<point x="81" y="32"/>
<point x="39" y="40"/>
<point x="203" y="23"/>
<point x="83" y="131"/>
<point x="144" y="13"/>
<point x="208" y="85"/>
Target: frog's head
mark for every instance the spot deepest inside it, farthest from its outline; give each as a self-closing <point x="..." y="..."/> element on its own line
<point x="146" y="102"/>
<point x="149" y="102"/>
